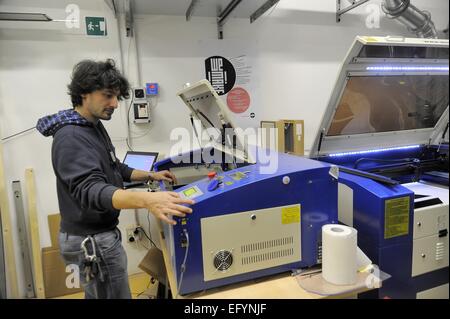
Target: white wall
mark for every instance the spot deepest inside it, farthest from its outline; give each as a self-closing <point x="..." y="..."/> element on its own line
<point x="295" y="52"/>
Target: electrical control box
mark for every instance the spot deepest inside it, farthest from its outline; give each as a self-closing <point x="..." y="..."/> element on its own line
<point x="141" y="107"/>
<point x="141" y="112"/>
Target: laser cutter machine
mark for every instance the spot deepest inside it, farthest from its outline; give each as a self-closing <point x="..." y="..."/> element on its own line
<point x="247" y="222"/>
<point x="386" y="126"/>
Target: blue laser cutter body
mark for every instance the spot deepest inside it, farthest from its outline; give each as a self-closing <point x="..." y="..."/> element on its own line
<point x="251" y="225"/>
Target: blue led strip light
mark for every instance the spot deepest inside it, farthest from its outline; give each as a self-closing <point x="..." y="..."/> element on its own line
<point x="375" y="151"/>
<point x="407" y="68"/>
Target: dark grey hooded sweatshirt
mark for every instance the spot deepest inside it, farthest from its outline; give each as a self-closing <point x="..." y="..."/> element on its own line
<point x="87" y="172"/>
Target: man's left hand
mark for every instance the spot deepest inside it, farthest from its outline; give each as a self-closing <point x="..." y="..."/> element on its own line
<point x="164" y="176"/>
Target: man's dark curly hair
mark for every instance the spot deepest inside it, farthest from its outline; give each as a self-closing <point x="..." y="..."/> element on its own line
<point x="89" y="76"/>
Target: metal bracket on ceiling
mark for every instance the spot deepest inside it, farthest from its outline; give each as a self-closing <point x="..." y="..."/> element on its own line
<point x="128" y="19"/>
<point x="190" y="9"/>
<point x="224" y="15"/>
<point x="340" y="11"/>
<point x="261" y="10"/>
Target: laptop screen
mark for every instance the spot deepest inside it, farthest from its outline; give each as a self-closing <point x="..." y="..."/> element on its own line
<point x="140" y="160"/>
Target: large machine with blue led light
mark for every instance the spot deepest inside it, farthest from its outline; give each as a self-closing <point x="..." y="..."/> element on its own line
<point x="250" y="219"/>
<point x="386" y="127"/>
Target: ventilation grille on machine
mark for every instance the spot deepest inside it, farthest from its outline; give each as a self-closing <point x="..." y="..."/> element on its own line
<point x="440" y="251"/>
<point x="319" y="252"/>
<point x="267" y="256"/>
<point x="267" y="244"/>
<point x="235" y="244"/>
<point x="223" y="260"/>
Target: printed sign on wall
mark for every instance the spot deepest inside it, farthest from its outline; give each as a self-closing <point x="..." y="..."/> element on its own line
<point x="238" y="100"/>
<point x="220" y="73"/>
<point x="242" y="98"/>
<point x="96" y="26"/>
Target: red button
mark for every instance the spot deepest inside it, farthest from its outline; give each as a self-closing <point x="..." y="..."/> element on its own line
<point x="211" y="175"/>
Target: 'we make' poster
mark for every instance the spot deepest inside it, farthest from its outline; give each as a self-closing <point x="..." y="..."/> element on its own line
<point x="231" y="67"/>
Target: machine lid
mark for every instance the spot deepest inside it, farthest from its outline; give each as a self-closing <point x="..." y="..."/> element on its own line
<point x="217" y="128"/>
<point x="390" y="92"/>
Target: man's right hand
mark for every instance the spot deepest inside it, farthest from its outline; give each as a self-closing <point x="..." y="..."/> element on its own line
<point x="165" y="204"/>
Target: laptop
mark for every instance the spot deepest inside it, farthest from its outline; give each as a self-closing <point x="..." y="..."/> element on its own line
<point x="139" y="160"/>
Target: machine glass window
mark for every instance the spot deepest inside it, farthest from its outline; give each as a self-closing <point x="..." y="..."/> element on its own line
<point x="402" y="52"/>
<point x="373" y="104"/>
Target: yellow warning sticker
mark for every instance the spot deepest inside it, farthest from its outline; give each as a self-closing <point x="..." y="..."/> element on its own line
<point x="290" y="215"/>
<point x="396" y="217"/>
<point x="371" y="39"/>
<point x="238" y="176"/>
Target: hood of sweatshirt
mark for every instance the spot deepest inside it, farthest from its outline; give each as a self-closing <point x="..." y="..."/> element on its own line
<point x="50" y="124"/>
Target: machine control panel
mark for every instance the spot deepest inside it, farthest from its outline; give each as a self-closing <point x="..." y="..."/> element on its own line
<point x="238" y="175"/>
<point x="191" y="192"/>
<point x="213" y="183"/>
<point x="212" y="174"/>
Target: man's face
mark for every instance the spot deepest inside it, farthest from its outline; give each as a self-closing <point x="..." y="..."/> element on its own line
<point x="101" y="104"/>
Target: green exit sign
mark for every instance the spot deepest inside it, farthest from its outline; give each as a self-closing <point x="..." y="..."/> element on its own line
<point x="96" y="26"/>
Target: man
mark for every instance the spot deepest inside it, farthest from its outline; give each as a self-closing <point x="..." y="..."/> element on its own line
<point x="89" y="181"/>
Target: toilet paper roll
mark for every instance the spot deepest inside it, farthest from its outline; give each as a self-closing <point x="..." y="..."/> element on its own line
<point x="339" y="254"/>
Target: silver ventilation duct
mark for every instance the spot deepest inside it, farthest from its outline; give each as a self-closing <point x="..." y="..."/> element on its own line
<point x="416" y="20"/>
